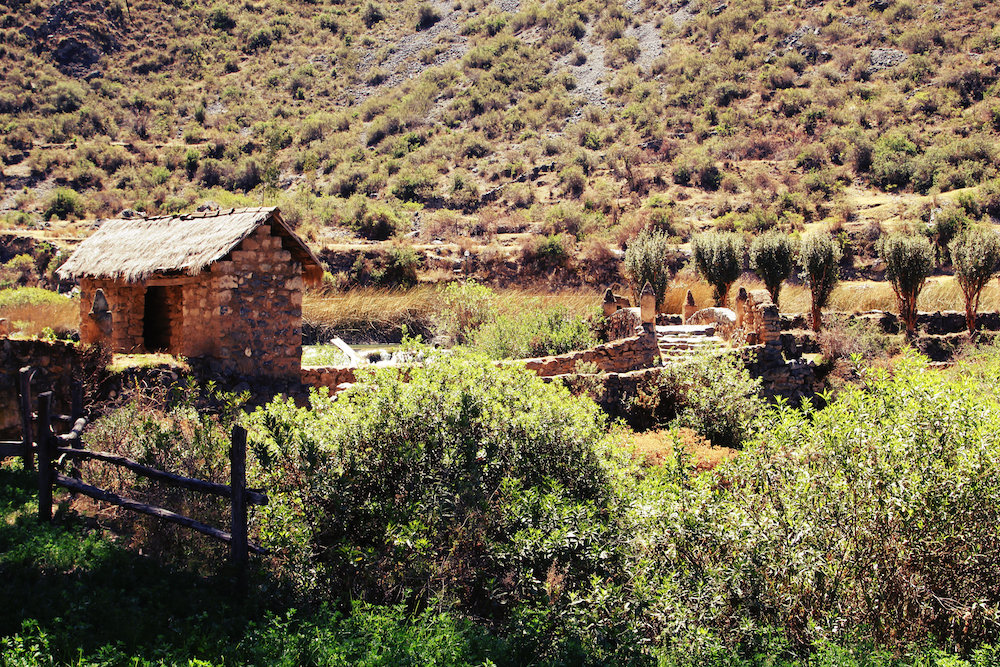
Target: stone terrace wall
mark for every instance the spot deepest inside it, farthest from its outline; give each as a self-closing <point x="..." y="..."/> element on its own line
<point x="618" y="356"/>
<point x="936" y="323"/>
<point x="330" y="377"/>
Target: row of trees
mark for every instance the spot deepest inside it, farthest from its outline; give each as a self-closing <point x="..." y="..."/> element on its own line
<point x="909" y="258"/>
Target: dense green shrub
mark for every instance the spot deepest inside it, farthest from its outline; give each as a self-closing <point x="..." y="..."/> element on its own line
<point x="975" y="254"/>
<point x="909" y="260"/>
<point x="772" y="258"/>
<point x="397" y="487"/>
<point x="646" y="260"/>
<point x="715" y="396"/>
<point x="718" y="257"/>
<point x="533" y="332"/>
<point x="845" y="515"/>
<point x="945" y="225"/>
<point x="819" y="257"/>
<point x="63" y="204"/>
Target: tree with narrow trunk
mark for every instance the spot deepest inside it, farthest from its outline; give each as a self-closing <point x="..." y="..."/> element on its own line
<point x="975" y="254"/>
<point x="646" y="260"/>
<point x="819" y="257"/>
<point x="718" y="257"/>
<point x="772" y="258"/>
<point x="909" y="260"/>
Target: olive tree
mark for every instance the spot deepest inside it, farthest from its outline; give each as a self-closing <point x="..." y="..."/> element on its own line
<point x="646" y="260"/>
<point x="909" y="260"/>
<point x="819" y="257"/>
<point x="772" y="258"/>
<point x="975" y="254"/>
<point x="718" y="257"/>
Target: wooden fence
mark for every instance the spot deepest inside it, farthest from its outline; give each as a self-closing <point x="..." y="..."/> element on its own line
<point x="53" y="451"/>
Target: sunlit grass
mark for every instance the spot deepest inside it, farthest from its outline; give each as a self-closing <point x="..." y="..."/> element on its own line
<point x="31" y="311"/>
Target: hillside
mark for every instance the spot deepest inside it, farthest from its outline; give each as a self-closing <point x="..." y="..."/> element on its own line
<point x="561" y="124"/>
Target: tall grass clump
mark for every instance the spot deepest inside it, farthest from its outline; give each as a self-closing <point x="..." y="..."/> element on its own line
<point x="33" y="311"/>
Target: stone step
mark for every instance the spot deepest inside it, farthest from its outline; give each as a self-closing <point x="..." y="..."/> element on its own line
<point x="686" y="329"/>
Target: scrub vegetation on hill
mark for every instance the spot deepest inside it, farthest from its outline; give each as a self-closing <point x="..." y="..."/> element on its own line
<point x="574" y="120"/>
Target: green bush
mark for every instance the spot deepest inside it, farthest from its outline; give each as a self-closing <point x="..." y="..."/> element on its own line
<point x="646" y="260"/>
<point x="465" y="307"/>
<point x="718" y="257"/>
<point x="375" y="492"/>
<point x="372" y="13"/>
<point x="772" y="258"/>
<point x="715" y="396"/>
<point x="533" y="332"/>
<point x="945" y="225"/>
<point x="909" y="260"/>
<point x="30" y="296"/>
<point x="399" y="268"/>
<point x="63" y="204"/>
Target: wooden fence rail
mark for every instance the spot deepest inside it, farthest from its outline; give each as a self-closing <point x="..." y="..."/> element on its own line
<point x="54" y="450"/>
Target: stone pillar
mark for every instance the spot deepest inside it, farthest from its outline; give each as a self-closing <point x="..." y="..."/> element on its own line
<point x="100" y="314"/>
<point x="647" y="307"/>
<point x="610" y="304"/>
<point x="741" y="307"/>
<point x="689" y="307"/>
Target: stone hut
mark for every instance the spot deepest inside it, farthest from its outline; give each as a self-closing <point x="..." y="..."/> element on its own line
<point x="225" y="286"/>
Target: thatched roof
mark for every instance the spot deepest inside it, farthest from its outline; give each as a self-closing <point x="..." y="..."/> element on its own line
<point x="133" y="250"/>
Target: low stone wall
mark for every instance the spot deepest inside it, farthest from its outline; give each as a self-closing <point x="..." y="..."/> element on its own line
<point x="330" y="377"/>
<point x="935" y="323"/>
<point x="618" y="356"/>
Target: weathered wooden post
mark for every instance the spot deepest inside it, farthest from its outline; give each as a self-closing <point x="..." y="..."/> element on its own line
<point x="26" y="439"/>
<point x="76" y="414"/>
<point x="238" y="548"/>
<point x="76" y="401"/>
<point x="45" y="456"/>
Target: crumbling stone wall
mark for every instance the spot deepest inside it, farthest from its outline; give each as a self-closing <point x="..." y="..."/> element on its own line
<point x="761" y="320"/>
<point x="617" y="356"/>
<point x="330" y="377"/>
<point x="56" y="364"/>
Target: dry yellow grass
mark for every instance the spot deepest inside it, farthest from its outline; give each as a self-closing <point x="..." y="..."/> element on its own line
<point x="32" y="319"/>
<point x="423" y="302"/>
<point x="657" y="447"/>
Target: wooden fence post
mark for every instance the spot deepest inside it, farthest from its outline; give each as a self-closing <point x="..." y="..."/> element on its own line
<point x="76" y="401"/>
<point x="76" y="412"/>
<point x="26" y="439"/>
<point x="45" y="476"/>
<point x="238" y="548"/>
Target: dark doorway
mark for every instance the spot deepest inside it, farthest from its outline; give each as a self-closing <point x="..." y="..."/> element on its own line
<point x="156" y="320"/>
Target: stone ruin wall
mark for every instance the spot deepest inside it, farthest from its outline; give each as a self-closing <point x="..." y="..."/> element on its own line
<point x="330" y="377"/>
<point x="258" y="293"/>
<point x="56" y="363"/>
<point x="618" y="356"/>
